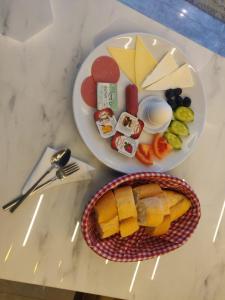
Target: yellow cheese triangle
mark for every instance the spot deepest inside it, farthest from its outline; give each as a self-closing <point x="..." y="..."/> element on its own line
<point x="125" y="60"/>
<point x="144" y="61"/>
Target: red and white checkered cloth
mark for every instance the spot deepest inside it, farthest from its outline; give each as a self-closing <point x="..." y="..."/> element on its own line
<point x="141" y="246"/>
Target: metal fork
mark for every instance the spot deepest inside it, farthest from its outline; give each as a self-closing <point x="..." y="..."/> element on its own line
<point x="60" y="174"/>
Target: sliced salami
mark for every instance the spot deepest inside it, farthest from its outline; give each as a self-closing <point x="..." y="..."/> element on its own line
<point x="105" y="69"/>
<point x="132" y="99"/>
<point x="89" y="91"/>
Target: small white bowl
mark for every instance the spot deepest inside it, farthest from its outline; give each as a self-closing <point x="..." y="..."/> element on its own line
<point x="151" y="127"/>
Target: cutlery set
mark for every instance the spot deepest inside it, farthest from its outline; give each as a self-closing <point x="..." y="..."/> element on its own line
<point x="59" y="162"/>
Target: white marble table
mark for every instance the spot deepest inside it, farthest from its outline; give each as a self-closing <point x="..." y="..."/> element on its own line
<point x="38" y="243"/>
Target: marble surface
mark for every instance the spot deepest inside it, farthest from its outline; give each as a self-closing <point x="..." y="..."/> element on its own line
<point x="22" y="19"/>
<point x="186" y="19"/>
<point x="41" y="243"/>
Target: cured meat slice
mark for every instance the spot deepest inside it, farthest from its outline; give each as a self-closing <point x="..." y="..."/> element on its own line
<point x="89" y="91"/>
<point x="105" y="69"/>
<point x="132" y="99"/>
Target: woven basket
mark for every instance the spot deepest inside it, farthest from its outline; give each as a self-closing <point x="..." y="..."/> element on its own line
<point x="141" y="246"/>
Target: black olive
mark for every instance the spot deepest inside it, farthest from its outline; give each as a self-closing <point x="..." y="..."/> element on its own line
<point x="169" y="93"/>
<point x="179" y="101"/>
<point x="187" y="102"/>
<point x="177" y="91"/>
<point x="172" y="102"/>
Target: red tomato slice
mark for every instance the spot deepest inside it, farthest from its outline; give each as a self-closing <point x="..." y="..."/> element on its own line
<point x="145" y="154"/>
<point x="144" y="149"/>
<point x="161" y="147"/>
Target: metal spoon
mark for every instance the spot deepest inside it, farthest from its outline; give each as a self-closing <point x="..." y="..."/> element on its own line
<point x="58" y="159"/>
<point x="60" y="174"/>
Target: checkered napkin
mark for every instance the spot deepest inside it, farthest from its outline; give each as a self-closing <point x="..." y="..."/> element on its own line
<point x="141" y="246"/>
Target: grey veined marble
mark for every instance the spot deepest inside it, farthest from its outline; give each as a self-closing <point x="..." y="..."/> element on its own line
<point x="21" y="19"/>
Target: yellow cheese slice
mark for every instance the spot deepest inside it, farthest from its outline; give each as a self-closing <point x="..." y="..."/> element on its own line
<point x="181" y="77"/>
<point x="125" y="60"/>
<point x="166" y="66"/>
<point x="144" y="61"/>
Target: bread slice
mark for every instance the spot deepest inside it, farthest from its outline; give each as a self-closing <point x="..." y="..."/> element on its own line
<point x="173" y="197"/>
<point x="163" y="228"/>
<point x="164" y="201"/>
<point x="147" y="190"/>
<point x="109" y="228"/>
<point x="106" y="208"/>
<point x="179" y="209"/>
<point x="128" y="227"/>
<point x="125" y="203"/>
<point x="151" y="211"/>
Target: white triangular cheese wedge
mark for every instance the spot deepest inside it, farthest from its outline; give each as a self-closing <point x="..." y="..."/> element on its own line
<point x="144" y="61"/>
<point x="181" y="77"/>
<point x="125" y="60"/>
<point x="166" y="66"/>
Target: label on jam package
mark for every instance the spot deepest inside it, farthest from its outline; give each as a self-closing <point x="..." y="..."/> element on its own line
<point x="124" y="145"/>
<point x="106" y="122"/>
<point x="130" y="125"/>
<point x="107" y="96"/>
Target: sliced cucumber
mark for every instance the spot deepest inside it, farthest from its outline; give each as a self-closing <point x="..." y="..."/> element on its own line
<point x="174" y="140"/>
<point x="184" y="114"/>
<point x="179" y="128"/>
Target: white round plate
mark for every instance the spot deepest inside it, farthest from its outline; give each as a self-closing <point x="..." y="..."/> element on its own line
<point x="83" y="114"/>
